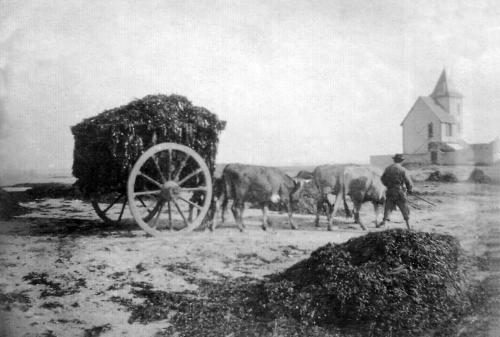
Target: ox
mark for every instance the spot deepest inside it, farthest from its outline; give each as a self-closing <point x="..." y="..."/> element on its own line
<point x="360" y="183"/>
<point x="255" y="184"/>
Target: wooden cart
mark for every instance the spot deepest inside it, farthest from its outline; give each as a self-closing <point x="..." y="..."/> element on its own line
<point x="169" y="188"/>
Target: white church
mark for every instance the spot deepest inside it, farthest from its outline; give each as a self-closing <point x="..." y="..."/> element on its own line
<point x="432" y="132"/>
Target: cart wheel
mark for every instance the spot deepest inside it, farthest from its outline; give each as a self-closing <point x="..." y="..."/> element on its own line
<point x="111" y="208"/>
<point x="173" y="179"/>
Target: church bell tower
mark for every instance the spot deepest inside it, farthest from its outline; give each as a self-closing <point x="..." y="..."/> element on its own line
<point x="450" y="100"/>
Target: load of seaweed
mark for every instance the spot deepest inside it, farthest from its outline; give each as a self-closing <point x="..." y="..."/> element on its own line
<point x="478" y="176"/>
<point x="108" y="145"/>
<point x="446" y="177"/>
<point x="393" y="283"/>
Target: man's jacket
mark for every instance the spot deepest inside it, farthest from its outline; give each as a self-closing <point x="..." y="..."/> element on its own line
<point x="396" y="177"/>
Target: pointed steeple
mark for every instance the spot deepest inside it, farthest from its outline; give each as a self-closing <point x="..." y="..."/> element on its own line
<point x="444" y="88"/>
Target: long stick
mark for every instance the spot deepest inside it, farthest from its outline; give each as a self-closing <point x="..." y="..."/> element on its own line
<point x="427" y="201"/>
<point x="414" y="205"/>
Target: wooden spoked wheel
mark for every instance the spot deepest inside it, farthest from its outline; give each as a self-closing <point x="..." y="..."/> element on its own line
<point x="173" y="180"/>
<point x="111" y="208"/>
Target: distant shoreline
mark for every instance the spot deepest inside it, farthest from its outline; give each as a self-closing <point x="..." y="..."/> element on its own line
<point x="10" y="179"/>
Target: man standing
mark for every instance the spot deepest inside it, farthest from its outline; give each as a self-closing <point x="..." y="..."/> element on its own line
<point x="398" y="182"/>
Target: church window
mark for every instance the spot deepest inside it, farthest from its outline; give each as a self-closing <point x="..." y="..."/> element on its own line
<point x="448" y="129"/>
<point x="430" y="131"/>
<point x="458" y="108"/>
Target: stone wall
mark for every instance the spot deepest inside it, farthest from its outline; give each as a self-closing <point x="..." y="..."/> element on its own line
<point x="474" y="154"/>
<point x="459" y="157"/>
<point x="411" y="159"/>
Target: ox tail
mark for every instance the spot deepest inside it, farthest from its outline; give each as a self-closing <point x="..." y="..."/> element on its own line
<point x="228" y="192"/>
<point x="275" y="198"/>
<point x="222" y="190"/>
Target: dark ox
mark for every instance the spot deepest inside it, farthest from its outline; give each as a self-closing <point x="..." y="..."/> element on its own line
<point x="304" y="175"/>
<point x="360" y="183"/>
<point x="258" y="185"/>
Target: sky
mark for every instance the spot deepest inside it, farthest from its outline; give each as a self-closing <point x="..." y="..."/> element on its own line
<point x="298" y="82"/>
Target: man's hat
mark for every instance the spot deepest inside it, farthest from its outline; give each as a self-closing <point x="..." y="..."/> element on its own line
<point x="398" y="157"/>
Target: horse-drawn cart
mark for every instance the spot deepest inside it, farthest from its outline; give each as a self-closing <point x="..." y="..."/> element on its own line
<point x="144" y="155"/>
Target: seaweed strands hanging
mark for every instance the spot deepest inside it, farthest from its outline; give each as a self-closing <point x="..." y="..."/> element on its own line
<point x="108" y="145"/>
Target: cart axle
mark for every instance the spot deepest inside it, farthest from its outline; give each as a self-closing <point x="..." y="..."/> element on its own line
<point x="170" y="191"/>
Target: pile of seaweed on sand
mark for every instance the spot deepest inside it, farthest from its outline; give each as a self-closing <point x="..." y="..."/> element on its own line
<point x="478" y="176"/>
<point x="392" y="283"/>
<point x="108" y="145"/>
<point x="446" y="177"/>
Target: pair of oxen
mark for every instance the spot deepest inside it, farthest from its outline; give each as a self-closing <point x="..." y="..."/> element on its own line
<point x="264" y="186"/>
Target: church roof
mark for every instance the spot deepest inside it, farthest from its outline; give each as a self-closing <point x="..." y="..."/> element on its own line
<point x="440" y="113"/>
<point x="444" y="87"/>
<point x="435" y="108"/>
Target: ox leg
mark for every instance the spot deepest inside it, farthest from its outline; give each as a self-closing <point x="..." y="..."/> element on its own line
<point x="330" y="221"/>
<point x="223" y="208"/>
<point x="238" y="218"/>
<point x="241" y="210"/>
<point x="265" y="219"/>
<point x="329" y="201"/>
<point x="290" y="213"/>
<point x="292" y="224"/>
<point x="376" y="209"/>
<point x="220" y="207"/>
<point x="348" y="213"/>
<point x="197" y="199"/>
<point x="319" y="207"/>
<point x="357" y="219"/>
<point x="336" y="207"/>
<point x="269" y="222"/>
<point x="213" y="225"/>
<point x="191" y="212"/>
<point x="328" y="209"/>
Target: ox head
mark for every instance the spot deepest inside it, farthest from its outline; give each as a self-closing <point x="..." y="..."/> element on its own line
<point x="296" y="191"/>
<point x="290" y="191"/>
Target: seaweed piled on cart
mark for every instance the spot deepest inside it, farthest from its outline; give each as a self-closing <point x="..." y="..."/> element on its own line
<point x="157" y="154"/>
<point x="108" y="145"/>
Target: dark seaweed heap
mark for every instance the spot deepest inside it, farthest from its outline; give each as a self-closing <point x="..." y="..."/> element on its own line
<point x="446" y="177"/>
<point x="108" y="145"/>
<point x="395" y="282"/>
<point x="390" y="283"/>
<point x="478" y="176"/>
